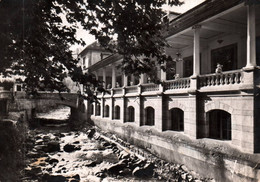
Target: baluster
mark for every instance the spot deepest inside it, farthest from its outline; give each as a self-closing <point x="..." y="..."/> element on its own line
<point x="226" y="80"/>
<point x="231" y="79"/>
<point x="212" y="81"/>
<point x="217" y="80"/>
<point x="221" y="79"/>
<point x="236" y="78"/>
<point x="209" y="82"/>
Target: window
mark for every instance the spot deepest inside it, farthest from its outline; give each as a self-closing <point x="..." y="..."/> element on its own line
<point x="187" y="66"/>
<point x="91" y="109"/>
<point x="3" y="107"/>
<point x="106" y="111"/>
<point x="226" y="56"/>
<point x="219" y="124"/>
<point x="258" y="51"/>
<point x="98" y="109"/>
<point x="117" y="112"/>
<point x="176" y="120"/>
<point x="130" y="114"/>
<point x="149" y="116"/>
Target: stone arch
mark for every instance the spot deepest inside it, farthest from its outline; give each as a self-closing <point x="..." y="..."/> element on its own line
<point x="177" y="105"/>
<point x="117" y="112"/>
<point x="219" y="124"/>
<point x="218" y="106"/>
<point x="106" y="111"/>
<point x="175" y="120"/>
<point x="149" y="116"/>
<point x="130" y="114"/>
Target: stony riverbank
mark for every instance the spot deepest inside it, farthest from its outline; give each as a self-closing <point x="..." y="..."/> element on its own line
<point x="91" y="155"/>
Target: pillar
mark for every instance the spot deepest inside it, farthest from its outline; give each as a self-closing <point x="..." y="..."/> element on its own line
<point x="163" y="73"/>
<point x="113" y="76"/>
<point x="141" y="81"/>
<point x="251" y="36"/>
<point x="125" y="80"/>
<point x="196" y="50"/>
<point x="104" y="77"/>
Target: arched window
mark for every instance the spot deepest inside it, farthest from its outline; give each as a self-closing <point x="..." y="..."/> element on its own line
<point x="117" y="112"/>
<point x="149" y="116"/>
<point x="98" y="109"/>
<point x="91" y="109"/>
<point x="106" y="111"/>
<point x="130" y="114"/>
<point x="219" y="124"/>
<point x="176" y="120"/>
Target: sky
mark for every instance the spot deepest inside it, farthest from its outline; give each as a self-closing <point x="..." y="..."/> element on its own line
<point x="88" y="38"/>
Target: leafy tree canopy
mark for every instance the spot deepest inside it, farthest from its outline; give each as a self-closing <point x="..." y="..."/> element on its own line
<point x="35" y="42"/>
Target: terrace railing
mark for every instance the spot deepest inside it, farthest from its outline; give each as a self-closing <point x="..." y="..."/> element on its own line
<point x="181" y="83"/>
<point x="131" y="89"/>
<point x="220" y="79"/>
<point x="150" y="87"/>
<point x="118" y="91"/>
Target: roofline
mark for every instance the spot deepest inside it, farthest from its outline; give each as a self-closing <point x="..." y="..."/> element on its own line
<point x="199" y="14"/>
<point x="104" y="62"/>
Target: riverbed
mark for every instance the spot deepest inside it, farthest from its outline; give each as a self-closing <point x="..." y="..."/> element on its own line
<point x="59" y="154"/>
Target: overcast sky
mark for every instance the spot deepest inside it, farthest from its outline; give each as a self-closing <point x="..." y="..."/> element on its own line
<point x="188" y="4"/>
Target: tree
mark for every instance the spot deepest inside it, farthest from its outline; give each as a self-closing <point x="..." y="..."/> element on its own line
<point x="35" y="41"/>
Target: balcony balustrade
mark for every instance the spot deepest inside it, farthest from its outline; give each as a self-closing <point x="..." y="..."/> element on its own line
<point x="181" y="83"/>
<point x="118" y="91"/>
<point x="150" y="87"/>
<point x="131" y="89"/>
<point x="220" y="79"/>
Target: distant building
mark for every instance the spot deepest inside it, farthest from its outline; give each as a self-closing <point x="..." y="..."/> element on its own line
<point x="213" y="99"/>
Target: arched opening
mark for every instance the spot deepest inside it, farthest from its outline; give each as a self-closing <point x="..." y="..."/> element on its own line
<point x="91" y="109"/>
<point x="130" y="114"/>
<point x="117" y="112"/>
<point x="98" y="108"/>
<point x="149" y="116"/>
<point x="106" y="111"/>
<point x="176" y="120"/>
<point x="219" y="124"/>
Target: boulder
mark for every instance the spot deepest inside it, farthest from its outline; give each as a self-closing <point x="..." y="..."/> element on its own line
<point x="144" y="172"/>
<point x="70" y="148"/>
<point x="91" y="133"/>
<point x="114" y="169"/>
<point x="52" y="147"/>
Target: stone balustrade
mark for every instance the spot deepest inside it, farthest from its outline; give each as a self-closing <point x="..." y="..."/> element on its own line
<point x="131" y="89"/>
<point x="219" y="79"/>
<point x="149" y="87"/>
<point x="118" y="91"/>
<point x="181" y="83"/>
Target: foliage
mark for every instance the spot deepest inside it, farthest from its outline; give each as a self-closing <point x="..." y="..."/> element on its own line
<point x="35" y="42"/>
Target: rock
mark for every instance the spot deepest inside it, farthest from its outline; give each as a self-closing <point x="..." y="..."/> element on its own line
<point x="91" y="164"/>
<point x="77" y="177"/>
<point x="146" y="171"/>
<point x="123" y="155"/>
<point x="100" y="174"/>
<point x="91" y="133"/>
<point x="114" y="169"/>
<point x="52" y="178"/>
<point x="184" y="168"/>
<point x="70" y="148"/>
<point x="51" y="161"/>
<point x="52" y="147"/>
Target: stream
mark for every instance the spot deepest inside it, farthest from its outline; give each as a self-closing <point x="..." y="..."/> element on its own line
<point x="57" y="154"/>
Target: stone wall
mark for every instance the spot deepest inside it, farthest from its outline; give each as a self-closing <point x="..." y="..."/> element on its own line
<point x="208" y="157"/>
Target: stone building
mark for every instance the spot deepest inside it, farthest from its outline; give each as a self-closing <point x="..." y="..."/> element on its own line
<point x="208" y="113"/>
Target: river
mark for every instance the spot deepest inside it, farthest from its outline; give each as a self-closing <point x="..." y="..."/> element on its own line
<point x="54" y="153"/>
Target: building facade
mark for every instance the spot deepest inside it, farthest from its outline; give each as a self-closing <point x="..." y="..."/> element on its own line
<point x="211" y="102"/>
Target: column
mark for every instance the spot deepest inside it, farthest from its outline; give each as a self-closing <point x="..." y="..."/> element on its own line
<point x="251" y="36"/>
<point x="196" y="50"/>
<point x="113" y="76"/>
<point x="125" y="80"/>
<point x="163" y="73"/>
<point x="141" y="81"/>
<point x="104" y="77"/>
